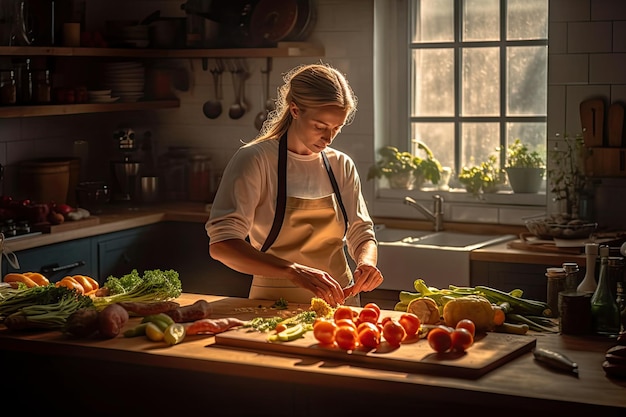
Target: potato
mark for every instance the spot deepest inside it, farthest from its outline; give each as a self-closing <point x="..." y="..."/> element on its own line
<point x="83" y="322"/>
<point x="111" y="320"/>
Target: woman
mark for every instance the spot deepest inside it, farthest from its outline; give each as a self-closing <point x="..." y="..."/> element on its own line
<point x="298" y="200"/>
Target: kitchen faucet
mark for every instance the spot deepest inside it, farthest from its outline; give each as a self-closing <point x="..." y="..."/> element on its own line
<point x="436" y="216"/>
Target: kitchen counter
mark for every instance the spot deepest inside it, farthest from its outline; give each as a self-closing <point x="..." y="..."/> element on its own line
<point x="121" y="218"/>
<point x="122" y="374"/>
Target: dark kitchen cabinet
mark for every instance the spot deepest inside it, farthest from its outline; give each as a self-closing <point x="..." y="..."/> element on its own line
<point x="58" y="260"/>
<point x="507" y="276"/>
<point x="139" y="248"/>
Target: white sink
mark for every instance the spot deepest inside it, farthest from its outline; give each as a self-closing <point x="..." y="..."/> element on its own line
<point x="439" y="258"/>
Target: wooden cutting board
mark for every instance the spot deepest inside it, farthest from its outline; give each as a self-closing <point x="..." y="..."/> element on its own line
<point x="488" y="352"/>
<point x="66" y="225"/>
<point x="592" y="121"/>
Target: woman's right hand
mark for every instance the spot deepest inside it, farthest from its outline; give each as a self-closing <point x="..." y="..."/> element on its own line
<point x="319" y="282"/>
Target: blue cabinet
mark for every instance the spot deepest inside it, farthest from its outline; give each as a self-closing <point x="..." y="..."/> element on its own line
<point x="58" y="260"/>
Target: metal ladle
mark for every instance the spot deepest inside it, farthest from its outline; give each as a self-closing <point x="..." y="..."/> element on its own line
<point x="238" y="108"/>
<point x="213" y="108"/>
<point x="267" y="101"/>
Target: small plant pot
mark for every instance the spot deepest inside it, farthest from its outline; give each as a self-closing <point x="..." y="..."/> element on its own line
<point x="402" y="181"/>
<point x="525" y="180"/>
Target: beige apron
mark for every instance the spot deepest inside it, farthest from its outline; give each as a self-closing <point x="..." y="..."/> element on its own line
<point x="312" y="234"/>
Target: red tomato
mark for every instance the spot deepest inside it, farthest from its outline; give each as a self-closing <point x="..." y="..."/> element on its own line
<point x="385" y="320"/>
<point x="368" y="315"/>
<point x="461" y="339"/>
<point x="440" y="339"/>
<point x="393" y="332"/>
<point x="373" y="306"/>
<point x="324" y="331"/>
<point x="280" y="327"/>
<point x="468" y="325"/>
<point x="411" y="323"/>
<point x="346" y="338"/>
<point x="344" y="312"/>
<point x="369" y="335"/>
<point x="345" y="322"/>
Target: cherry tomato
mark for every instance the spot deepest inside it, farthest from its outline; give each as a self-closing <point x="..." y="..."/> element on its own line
<point x="393" y="332"/>
<point x="468" y="325"/>
<point x="346" y="322"/>
<point x="346" y="337"/>
<point x="280" y="327"/>
<point x="440" y="339"/>
<point x="411" y="323"/>
<point x="373" y="306"/>
<point x="368" y="315"/>
<point x="385" y="320"/>
<point x="324" y="331"/>
<point x="461" y="339"/>
<point x="344" y="312"/>
<point x="369" y="335"/>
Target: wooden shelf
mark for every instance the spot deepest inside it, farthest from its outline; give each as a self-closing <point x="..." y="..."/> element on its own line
<point x="283" y="49"/>
<point x="66" y="109"/>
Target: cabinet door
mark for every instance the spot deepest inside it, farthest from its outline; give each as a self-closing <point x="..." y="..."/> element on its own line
<point x="139" y="248"/>
<point x="58" y="260"/>
<point x="508" y="276"/>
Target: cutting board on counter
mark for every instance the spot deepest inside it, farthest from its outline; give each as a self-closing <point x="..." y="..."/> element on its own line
<point x="66" y="225"/>
<point x="488" y="352"/>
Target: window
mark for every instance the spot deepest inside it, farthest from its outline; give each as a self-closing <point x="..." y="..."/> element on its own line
<point x="477" y="77"/>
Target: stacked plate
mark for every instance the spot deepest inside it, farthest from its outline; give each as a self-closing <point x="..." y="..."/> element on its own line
<point x="125" y="79"/>
<point x="101" y="96"/>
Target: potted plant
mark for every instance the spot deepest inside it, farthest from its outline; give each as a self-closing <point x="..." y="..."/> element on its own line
<point x="524" y="168"/>
<point x="482" y="178"/>
<point x="404" y="170"/>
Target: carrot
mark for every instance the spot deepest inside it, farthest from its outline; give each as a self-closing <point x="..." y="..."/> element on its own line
<point x="40" y="279"/>
<point x="201" y="309"/>
<point x="16" y="277"/>
<point x="213" y="326"/>
<point x="498" y="316"/>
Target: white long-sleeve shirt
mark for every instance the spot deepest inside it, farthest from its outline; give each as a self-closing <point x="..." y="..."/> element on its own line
<point x="245" y="202"/>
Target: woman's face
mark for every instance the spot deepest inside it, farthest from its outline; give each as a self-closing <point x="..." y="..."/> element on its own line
<point x="312" y="130"/>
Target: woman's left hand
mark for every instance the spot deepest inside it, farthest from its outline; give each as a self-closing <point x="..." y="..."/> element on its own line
<point x="366" y="278"/>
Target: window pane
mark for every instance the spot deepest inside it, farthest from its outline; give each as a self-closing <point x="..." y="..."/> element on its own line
<point x="527" y="19"/>
<point x="481" y="20"/>
<point x="439" y="137"/>
<point x="531" y="134"/>
<point x="480" y="140"/>
<point x="433" y="82"/>
<point x="433" y="21"/>
<point x="480" y="83"/>
<point x="527" y="77"/>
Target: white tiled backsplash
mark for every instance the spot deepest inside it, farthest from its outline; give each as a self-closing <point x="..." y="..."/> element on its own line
<point x="587" y="58"/>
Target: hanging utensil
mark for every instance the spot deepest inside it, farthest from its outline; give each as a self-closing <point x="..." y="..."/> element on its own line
<point x="616" y="125"/>
<point x="268" y="103"/>
<point x="592" y="121"/>
<point x="212" y="108"/>
<point x="239" y="74"/>
<point x="8" y="254"/>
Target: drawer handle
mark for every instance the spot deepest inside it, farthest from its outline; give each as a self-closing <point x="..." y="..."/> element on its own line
<point x="53" y="268"/>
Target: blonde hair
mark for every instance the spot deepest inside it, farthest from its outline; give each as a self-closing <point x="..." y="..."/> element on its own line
<point x="308" y="86"/>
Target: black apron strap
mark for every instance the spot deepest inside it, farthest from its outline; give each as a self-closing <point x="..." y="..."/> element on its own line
<point x="333" y="181"/>
<point x="281" y="194"/>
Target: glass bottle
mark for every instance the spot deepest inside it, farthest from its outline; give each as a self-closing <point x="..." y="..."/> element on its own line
<point x="571" y="275"/>
<point x="588" y="283"/>
<point x="8" y="92"/>
<point x="621" y="305"/>
<point x="605" y="315"/>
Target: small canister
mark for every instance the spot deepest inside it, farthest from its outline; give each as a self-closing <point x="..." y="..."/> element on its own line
<point x="575" y="312"/>
<point x="571" y="275"/>
<point x="556" y="284"/>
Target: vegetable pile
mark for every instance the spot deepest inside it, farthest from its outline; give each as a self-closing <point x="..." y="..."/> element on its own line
<point x="510" y="312"/>
<point x="154" y="285"/>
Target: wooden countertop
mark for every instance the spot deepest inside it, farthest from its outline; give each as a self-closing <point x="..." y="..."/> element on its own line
<point x="515" y="388"/>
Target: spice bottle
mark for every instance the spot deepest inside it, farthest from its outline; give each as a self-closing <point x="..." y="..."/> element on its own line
<point x="556" y="284"/>
<point x="605" y="314"/>
<point x="588" y="283"/>
<point x="8" y="91"/>
<point x="621" y="305"/>
<point x="571" y="275"/>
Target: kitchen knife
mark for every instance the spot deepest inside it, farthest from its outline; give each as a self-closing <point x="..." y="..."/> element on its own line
<point x="616" y="125"/>
<point x="592" y="121"/>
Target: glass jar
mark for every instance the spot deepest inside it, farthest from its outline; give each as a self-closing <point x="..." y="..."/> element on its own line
<point x="556" y="284"/>
<point x="200" y="178"/>
<point x="571" y="275"/>
<point x="42" y="89"/>
<point x="8" y="92"/>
